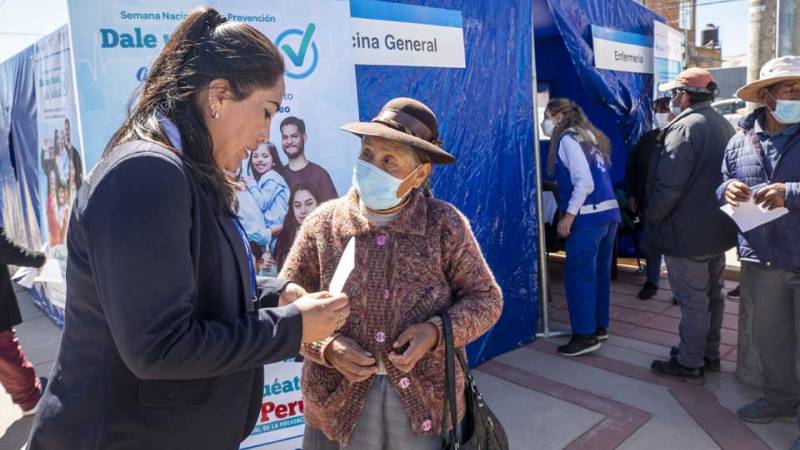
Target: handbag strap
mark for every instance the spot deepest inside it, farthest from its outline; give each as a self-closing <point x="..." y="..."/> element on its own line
<point x="449" y="382"/>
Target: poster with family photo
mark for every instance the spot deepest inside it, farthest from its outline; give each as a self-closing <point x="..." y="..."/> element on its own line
<point x="310" y="160"/>
<point x="61" y="162"/>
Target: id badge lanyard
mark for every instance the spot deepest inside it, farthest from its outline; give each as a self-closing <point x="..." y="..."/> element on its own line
<point x="250" y="263"/>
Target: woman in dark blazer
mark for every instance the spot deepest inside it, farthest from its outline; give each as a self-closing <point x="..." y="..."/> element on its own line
<point x="164" y="338"/>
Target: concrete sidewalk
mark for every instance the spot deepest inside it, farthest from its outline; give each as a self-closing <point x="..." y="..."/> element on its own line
<point x="606" y="400"/>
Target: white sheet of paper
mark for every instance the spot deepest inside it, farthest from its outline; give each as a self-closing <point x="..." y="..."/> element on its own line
<point x="25" y="277"/>
<point x="346" y="264"/>
<point x="50" y="272"/>
<point x="749" y="215"/>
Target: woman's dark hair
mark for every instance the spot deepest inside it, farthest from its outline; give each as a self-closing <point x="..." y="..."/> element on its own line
<point x="700" y="97"/>
<point x="574" y="120"/>
<point x="276" y="160"/>
<point x="204" y="47"/>
<point x="291" y="225"/>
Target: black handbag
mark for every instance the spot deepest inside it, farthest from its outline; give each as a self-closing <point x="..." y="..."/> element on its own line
<point x="480" y="424"/>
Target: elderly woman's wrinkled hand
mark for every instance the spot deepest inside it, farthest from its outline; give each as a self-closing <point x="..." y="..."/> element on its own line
<point x="420" y="339"/>
<point x="350" y="359"/>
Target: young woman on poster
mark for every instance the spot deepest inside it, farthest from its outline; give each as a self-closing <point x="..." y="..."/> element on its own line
<point x="303" y="201"/>
<point x="268" y="188"/>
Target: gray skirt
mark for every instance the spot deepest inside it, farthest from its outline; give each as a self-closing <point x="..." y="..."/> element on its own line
<point x="382" y="425"/>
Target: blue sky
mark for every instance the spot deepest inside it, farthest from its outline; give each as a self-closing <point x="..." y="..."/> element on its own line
<point x="25" y="21"/>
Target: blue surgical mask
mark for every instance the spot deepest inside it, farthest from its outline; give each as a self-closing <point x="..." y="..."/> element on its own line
<point x="787" y="112"/>
<point x="377" y="189"/>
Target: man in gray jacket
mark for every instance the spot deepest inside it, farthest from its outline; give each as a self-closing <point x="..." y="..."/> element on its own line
<point x="685" y="224"/>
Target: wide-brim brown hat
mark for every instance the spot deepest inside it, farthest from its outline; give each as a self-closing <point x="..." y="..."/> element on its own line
<point x="409" y="122"/>
<point x="774" y="71"/>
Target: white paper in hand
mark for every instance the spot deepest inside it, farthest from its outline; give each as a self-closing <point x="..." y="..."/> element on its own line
<point x="346" y="264"/>
<point x="50" y="272"/>
<point x="749" y="215"/>
<point x="25" y="277"/>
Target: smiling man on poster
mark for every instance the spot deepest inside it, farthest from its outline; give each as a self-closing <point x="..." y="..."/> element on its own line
<point x="299" y="170"/>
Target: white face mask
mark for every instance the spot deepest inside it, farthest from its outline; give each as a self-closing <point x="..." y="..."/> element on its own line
<point x="547" y="127"/>
<point x="676" y="108"/>
<point x="661" y="120"/>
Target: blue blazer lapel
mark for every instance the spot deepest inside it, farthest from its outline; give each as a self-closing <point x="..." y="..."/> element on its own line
<point x="236" y="243"/>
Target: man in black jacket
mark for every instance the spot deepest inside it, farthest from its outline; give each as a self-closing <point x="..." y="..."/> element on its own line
<point x="636" y="171"/>
<point x="685" y="224"/>
<point x="16" y="372"/>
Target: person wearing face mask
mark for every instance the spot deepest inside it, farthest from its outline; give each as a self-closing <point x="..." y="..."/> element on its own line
<point x="377" y="383"/>
<point x="685" y="224"/>
<point x="636" y="170"/>
<point x="762" y="163"/>
<point x="580" y="156"/>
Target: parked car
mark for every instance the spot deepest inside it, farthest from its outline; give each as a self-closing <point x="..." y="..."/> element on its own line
<point x="733" y="109"/>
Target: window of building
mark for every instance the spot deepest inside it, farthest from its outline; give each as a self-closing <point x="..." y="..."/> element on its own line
<point x="686" y="15"/>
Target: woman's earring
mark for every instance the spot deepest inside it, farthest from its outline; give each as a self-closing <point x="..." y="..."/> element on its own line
<point x="216" y="115"/>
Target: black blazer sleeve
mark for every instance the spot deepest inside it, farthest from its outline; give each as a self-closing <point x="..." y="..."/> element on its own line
<point x="269" y="291"/>
<point x="13" y="254"/>
<point x="138" y="223"/>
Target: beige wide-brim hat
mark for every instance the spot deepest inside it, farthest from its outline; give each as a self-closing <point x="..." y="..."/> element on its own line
<point x="409" y="122"/>
<point x="774" y="71"/>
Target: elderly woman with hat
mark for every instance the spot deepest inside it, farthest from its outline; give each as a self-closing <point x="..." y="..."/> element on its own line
<point x="378" y="383"/>
<point x="762" y="163"/>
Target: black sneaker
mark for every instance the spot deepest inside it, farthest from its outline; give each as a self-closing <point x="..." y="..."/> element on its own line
<point x="674" y="369"/>
<point x="580" y="345"/>
<point x="601" y="334"/>
<point x="649" y="290"/>
<point x="712" y="365"/>
<point x="735" y="292"/>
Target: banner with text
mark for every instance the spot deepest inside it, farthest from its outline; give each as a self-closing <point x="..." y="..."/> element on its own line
<point x="669" y="52"/>
<point x="115" y="46"/>
<point x="280" y="423"/>
<point x="392" y="34"/>
<point x="60" y="153"/>
<point x="308" y="160"/>
<point x="622" y="51"/>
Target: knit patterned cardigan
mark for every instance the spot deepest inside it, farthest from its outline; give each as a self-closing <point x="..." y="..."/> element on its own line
<point x="425" y="261"/>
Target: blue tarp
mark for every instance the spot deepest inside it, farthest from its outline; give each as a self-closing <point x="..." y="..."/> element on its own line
<point x="486" y="122"/>
<point x="616" y="102"/>
<point x="18" y="144"/>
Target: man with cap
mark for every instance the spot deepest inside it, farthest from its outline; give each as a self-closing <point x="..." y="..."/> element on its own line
<point x="762" y="163"/>
<point x="685" y="224"/>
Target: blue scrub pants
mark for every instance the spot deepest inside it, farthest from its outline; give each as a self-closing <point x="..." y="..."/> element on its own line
<point x="588" y="276"/>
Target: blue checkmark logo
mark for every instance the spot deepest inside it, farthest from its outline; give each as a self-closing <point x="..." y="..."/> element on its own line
<point x="301" y="51"/>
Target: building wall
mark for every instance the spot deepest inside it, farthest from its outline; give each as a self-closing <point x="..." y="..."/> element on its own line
<point x="671" y="11"/>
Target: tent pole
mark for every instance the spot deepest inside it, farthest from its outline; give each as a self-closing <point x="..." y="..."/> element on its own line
<point x="544" y="284"/>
